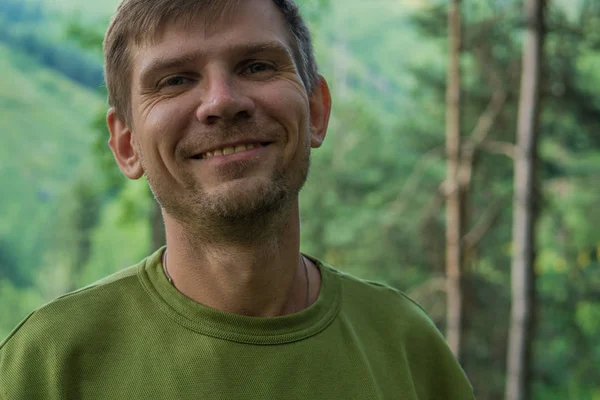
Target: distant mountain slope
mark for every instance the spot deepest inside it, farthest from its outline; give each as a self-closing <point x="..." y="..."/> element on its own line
<point x="46" y="143"/>
<point x="28" y="27"/>
<point x="91" y="11"/>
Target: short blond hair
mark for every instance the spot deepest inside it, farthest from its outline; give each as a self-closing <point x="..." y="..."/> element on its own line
<point x="138" y="22"/>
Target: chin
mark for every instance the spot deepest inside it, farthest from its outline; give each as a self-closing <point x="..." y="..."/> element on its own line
<point x="247" y="202"/>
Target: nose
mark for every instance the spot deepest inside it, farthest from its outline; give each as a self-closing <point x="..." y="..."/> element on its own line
<point x="223" y="100"/>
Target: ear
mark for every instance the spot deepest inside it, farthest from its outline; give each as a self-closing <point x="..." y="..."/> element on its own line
<point x="121" y="143"/>
<point x="320" y="110"/>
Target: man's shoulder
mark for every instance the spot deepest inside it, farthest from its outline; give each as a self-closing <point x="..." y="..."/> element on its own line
<point x="75" y="309"/>
<point x="372" y="296"/>
<point x="386" y="313"/>
<point x="386" y="319"/>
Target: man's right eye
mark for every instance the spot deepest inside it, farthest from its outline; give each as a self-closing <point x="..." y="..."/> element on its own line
<point x="175" y="81"/>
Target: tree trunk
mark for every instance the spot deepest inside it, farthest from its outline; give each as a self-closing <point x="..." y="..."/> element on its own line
<point x="157" y="226"/>
<point x="525" y="209"/>
<point x="454" y="191"/>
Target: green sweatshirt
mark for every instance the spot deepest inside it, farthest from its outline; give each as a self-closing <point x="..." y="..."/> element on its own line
<point x="134" y="336"/>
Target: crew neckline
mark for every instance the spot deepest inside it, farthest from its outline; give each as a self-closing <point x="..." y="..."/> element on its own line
<point x="240" y="328"/>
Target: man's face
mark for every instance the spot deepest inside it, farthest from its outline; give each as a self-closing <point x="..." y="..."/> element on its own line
<point x="221" y="122"/>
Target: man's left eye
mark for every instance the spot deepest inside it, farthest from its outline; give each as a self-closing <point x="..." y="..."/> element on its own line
<point x="259" y="67"/>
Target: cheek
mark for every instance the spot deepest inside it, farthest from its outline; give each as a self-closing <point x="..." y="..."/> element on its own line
<point x="290" y="108"/>
<point x="167" y="118"/>
<point x="165" y="124"/>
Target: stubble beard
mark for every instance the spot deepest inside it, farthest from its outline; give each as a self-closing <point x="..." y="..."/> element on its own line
<point x="234" y="215"/>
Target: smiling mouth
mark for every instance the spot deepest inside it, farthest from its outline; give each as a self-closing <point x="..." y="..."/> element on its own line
<point x="228" y="150"/>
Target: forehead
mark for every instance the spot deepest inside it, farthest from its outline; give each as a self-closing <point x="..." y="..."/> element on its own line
<point x="232" y="24"/>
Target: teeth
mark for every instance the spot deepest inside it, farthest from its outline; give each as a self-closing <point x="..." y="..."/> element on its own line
<point x="229" y="150"/>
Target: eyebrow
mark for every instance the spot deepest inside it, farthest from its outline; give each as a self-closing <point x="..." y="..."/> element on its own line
<point x="245" y="50"/>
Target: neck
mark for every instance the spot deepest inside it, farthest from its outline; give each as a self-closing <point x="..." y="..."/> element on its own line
<point x="266" y="277"/>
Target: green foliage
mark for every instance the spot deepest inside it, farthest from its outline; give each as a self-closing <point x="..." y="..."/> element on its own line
<point x="569" y="165"/>
<point x="121" y="236"/>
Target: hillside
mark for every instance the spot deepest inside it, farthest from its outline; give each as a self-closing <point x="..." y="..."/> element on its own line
<point x="91" y="11"/>
<point x="46" y="147"/>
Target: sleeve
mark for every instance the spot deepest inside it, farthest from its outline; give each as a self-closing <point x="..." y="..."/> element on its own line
<point x="26" y="364"/>
<point x="435" y="365"/>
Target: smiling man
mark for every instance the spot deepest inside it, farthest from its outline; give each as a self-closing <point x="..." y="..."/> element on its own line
<point x="218" y="104"/>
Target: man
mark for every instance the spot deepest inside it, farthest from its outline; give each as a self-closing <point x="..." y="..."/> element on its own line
<point x="218" y="104"/>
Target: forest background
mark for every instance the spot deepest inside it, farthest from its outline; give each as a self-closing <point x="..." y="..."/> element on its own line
<point x="374" y="203"/>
